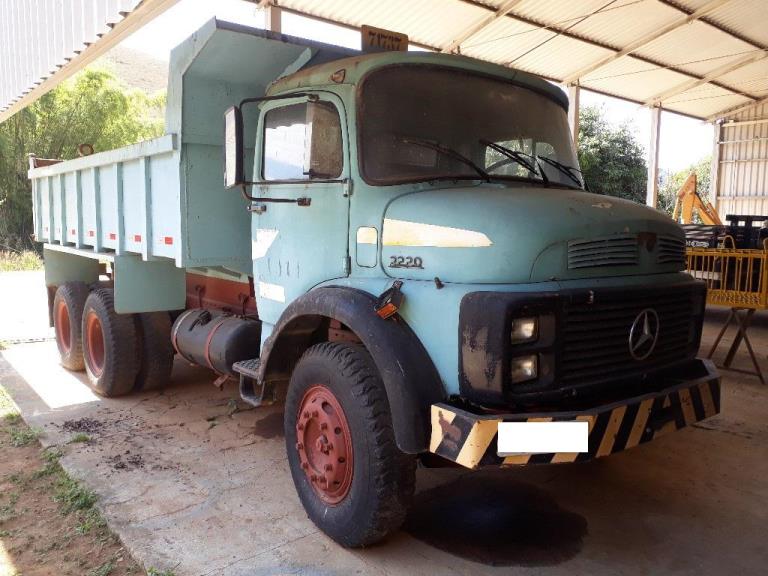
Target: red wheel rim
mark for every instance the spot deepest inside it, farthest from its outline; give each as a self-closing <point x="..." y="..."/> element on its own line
<point x="63" y="330"/>
<point x="95" y="337"/>
<point x="324" y="444"/>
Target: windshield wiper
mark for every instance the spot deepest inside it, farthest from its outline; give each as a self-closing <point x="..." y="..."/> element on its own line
<point x="450" y="153"/>
<point x="519" y="157"/>
<point x="565" y="169"/>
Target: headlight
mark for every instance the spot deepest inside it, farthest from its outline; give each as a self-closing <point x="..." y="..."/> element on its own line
<point x="523" y="368"/>
<point x="523" y="330"/>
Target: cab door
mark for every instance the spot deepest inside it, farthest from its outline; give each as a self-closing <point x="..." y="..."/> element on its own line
<point x="300" y="231"/>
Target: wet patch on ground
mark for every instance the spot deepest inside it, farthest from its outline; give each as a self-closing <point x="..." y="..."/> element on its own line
<point x="496" y="521"/>
<point x="270" y="426"/>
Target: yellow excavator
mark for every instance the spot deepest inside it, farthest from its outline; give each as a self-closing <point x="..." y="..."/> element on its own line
<point x="688" y="200"/>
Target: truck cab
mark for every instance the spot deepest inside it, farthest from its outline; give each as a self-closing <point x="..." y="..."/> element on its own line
<point x="429" y="273"/>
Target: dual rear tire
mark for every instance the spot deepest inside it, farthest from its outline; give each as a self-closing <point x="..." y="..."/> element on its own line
<point x="120" y="353"/>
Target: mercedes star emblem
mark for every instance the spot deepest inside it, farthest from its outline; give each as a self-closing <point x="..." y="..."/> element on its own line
<point x="644" y="334"/>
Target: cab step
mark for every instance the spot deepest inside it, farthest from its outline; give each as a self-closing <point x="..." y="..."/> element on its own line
<point x="251" y="391"/>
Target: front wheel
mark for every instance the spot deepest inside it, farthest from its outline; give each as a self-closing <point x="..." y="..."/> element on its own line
<point x="353" y="481"/>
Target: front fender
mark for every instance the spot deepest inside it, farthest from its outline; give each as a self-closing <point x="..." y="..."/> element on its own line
<point x="410" y="378"/>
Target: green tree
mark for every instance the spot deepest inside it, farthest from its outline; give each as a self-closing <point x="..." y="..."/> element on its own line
<point x="671" y="183"/>
<point x="92" y="107"/>
<point x="612" y="160"/>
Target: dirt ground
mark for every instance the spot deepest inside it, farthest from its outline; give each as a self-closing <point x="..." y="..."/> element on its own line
<point x="197" y="483"/>
<point x="48" y="523"/>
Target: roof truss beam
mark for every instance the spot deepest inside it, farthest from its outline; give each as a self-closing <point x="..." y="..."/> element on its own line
<point x="647" y="39"/>
<point x="480" y="25"/>
<point x="717" y="73"/>
<point x="567" y="34"/>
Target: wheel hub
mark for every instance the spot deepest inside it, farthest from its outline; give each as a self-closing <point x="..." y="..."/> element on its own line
<point x="95" y="338"/>
<point x="324" y="444"/>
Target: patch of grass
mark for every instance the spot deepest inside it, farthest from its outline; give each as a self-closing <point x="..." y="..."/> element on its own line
<point x="72" y="495"/>
<point x="79" y="437"/>
<point x="24" y="436"/>
<point x="12" y="418"/>
<point x="91" y="521"/>
<point x="8" y="409"/>
<point x="103" y="570"/>
<point x="17" y="261"/>
<point x="156" y="572"/>
<point x="8" y="510"/>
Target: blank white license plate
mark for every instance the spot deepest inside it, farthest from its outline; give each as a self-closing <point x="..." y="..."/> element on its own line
<point x="542" y="437"/>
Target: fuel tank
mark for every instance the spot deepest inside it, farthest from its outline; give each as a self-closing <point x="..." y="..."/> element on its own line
<point x="215" y="339"/>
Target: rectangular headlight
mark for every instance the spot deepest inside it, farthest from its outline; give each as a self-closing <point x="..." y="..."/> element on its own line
<point x="524" y="330"/>
<point x="524" y="368"/>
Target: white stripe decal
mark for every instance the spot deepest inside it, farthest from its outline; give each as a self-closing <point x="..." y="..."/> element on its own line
<point x="404" y="233"/>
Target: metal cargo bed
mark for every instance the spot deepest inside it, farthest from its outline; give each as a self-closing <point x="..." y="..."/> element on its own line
<point x="157" y="208"/>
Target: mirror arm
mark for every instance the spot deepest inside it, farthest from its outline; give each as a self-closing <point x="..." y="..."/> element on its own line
<point x="298" y="201"/>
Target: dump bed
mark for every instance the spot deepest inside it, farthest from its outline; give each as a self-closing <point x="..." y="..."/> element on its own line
<point x="121" y="201"/>
<point x="164" y="199"/>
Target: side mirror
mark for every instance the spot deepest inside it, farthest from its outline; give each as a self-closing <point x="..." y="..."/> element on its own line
<point x="233" y="147"/>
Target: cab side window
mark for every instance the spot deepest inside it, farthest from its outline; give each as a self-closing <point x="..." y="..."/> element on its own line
<point x="303" y="142"/>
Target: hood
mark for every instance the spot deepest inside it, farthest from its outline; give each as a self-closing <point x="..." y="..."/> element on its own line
<point x="498" y="234"/>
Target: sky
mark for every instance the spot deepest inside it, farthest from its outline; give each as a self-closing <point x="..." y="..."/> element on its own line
<point x="683" y="141"/>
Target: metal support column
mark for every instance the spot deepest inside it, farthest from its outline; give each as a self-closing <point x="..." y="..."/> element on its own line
<point x="273" y="18"/>
<point x="574" y="94"/>
<point x="652" y="193"/>
<point x="714" y="170"/>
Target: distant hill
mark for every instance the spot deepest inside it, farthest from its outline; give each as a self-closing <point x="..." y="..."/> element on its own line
<point x="137" y="69"/>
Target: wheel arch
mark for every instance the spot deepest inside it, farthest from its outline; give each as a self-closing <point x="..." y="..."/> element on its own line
<point x="410" y="378"/>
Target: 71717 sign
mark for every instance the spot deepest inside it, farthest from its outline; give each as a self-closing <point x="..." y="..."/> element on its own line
<point x="380" y="40"/>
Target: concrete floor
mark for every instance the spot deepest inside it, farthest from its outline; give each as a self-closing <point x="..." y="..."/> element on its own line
<point x="193" y="480"/>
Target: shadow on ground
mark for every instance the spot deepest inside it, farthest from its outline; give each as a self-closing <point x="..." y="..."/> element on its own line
<point x="495" y="521"/>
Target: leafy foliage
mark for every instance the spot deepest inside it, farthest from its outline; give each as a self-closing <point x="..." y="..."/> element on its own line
<point x="92" y="107"/>
<point x="612" y="159"/>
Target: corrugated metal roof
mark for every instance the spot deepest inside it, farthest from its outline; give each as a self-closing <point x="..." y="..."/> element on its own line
<point x="696" y="57"/>
<point x="44" y="41"/>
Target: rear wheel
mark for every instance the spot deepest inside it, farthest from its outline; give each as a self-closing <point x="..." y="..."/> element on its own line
<point x="154" y="333"/>
<point x="67" y="322"/>
<point x="353" y="481"/>
<point x="110" y="345"/>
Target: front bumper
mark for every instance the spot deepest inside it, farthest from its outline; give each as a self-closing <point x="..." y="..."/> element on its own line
<point x="469" y="438"/>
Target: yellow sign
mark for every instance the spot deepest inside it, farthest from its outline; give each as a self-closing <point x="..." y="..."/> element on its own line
<point x="380" y="40"/>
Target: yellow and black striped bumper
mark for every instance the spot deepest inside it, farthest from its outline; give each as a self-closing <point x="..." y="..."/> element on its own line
<point x="470" y="439"/>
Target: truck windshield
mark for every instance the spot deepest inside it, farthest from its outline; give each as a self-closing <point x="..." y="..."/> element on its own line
<point x="411" y="114"/>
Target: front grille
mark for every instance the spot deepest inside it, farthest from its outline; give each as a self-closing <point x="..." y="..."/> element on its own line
<point x="610" y="251"/>
<point x="596" y="336"/>
<point x="671" y="250"/>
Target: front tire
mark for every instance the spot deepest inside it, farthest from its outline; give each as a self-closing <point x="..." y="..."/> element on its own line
<point x="110" y="345"/>
<point x="352" y="480"/>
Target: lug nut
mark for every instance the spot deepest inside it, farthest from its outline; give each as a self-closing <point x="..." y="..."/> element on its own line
<point x="306" y="414"/>
<point x="300" y="426"/>
<point x="342" y="460"/>
<point x="313" y="477"/>
<point x="315" y="413"/>
<point x="299" y="446"/>
<point x="323" y="426"/>
<point x="305" y="465"/>
<point x="328" y="467"/>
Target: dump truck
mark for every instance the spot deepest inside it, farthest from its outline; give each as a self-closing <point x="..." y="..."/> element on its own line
<point x="397" y="246"/>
